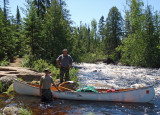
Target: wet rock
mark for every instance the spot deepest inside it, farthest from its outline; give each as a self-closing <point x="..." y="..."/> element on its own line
<point x="6" y="69"/>
<point x="108" y="61"/>
<point x="11" y="111"/>
<point x="138" y="85"/>
<point x="24" y="73"/>
<point x="77" y="67"/>
<point x="6" y="81"/>
<point x="29" y="77"/>
<point x="120" y="64"/>
<point x="95" y="71"/>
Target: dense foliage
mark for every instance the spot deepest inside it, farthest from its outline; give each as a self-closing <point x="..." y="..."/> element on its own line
<point x="47" y="29"/>
<point x="140" y="47"/>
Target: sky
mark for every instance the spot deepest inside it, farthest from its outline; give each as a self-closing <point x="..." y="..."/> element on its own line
<point x="87" y="10"/>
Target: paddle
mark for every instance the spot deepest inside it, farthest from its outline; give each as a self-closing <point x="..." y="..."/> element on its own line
<point x="70" y="90"/>
<point x="67" y="88"/>
<point x="62" y="85"/>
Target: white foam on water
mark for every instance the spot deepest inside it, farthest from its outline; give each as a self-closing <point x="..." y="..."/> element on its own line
<point x="118" y="76"/>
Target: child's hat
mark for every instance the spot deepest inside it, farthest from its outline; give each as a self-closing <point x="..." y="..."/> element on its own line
<point x="47" y="70"/>
<point x="64" y="50"/>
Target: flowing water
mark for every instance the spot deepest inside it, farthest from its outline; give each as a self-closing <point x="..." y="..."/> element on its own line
<point x="99" y="75"/>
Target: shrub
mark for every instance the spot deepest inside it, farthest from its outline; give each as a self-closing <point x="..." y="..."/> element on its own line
<point x="114" y="56"/>
<point x="1" y="87"/>
<point x="93" y="57"/>
<point x="54" y="71"/>
<point x="4" y="62"/>
<point x="24" y="111"/>
<point x="27" y="61"/>
<point x="11" y="91"/>
<point x="40" y="65"/>
<point x="20" y="79"/>
<point x="73" y="75"/>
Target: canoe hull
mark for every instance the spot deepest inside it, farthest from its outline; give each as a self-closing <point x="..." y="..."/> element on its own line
<point x="23" y="88"/>
<point x="144" y="94"/>
<point x="139" y="95"/>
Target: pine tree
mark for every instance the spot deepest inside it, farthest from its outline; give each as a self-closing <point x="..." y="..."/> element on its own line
<point x="18" y="18"/>
<point x="131" y="45"/>
<point x="41" y="6"/>
<point x="151" y="52"/>
<point x="7" y="43"/>
<point x="127" y="26"/>
<point x="101" y="26"/>
<point x="94" y="33"/>
<point x="18" y="34"/>
<point x="2" y="49"/>
<point x="5" y="8"/>
<point x="113" y="30"/>
<point x="76" y="49"/>
<point x="33" y="32"/>
<point x="88" y="41"/>
<point x="157" y="25"/>
<point x="57" y="30"/>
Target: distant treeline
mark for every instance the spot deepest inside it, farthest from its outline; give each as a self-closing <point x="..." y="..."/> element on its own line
<point x="47" y="29"/>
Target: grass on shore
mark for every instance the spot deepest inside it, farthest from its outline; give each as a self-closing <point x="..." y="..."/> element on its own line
<point x="25" y="111"/>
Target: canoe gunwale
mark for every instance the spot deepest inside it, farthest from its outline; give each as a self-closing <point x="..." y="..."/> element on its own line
<point x="25" y="83"/>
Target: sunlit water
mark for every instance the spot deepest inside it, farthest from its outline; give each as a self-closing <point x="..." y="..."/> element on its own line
<point x="100" y="75"/>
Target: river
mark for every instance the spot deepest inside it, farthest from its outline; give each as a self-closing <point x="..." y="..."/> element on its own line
<point x="100" y="75"/>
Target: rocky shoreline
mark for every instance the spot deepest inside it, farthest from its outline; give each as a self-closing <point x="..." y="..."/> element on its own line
<point x="8" y="74"/>
<point x="20" y="72"/>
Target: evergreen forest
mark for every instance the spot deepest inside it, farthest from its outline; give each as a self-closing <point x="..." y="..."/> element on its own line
<point x="47" y="28"/>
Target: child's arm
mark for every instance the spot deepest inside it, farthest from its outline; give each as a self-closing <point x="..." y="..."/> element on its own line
<point x="55" y="86"/>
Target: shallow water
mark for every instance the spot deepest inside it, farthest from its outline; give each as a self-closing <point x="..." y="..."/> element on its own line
<point x="82" y="107"/>
<point x="101" y="74"/>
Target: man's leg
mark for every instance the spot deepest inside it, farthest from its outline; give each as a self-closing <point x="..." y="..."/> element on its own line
<point x="46" y="95"/>
<point x="66" y="74"/>
<point x="61" y="74"/>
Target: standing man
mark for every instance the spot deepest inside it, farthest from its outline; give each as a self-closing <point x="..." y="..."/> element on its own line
<point x="64" y="62"/>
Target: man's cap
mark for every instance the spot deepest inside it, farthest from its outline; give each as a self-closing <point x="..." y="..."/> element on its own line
<point x="47" y="70"/>
<point x="64" y="50"/>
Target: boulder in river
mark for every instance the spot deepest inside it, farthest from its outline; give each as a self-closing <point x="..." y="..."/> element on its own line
<point x="11" y="111"/>
<point x="108" y="61"/>
<point x="95" y="70"/>
<point x="6" y="81"/>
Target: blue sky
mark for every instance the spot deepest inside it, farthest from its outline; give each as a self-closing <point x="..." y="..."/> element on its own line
<point x="87" y="10"/>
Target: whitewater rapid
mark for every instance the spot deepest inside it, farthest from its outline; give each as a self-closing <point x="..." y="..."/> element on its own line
<point x="116" y="76"/>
